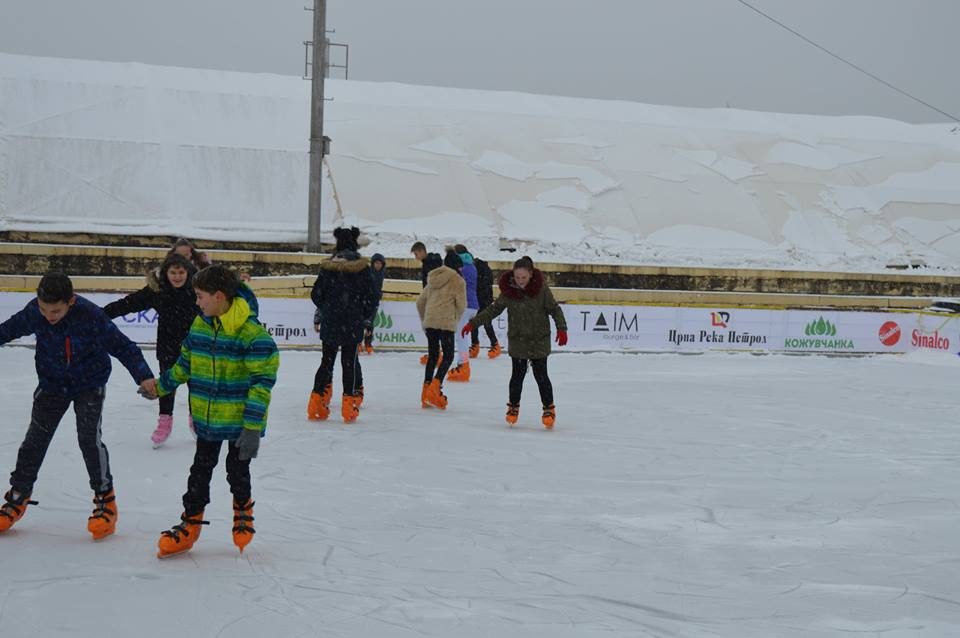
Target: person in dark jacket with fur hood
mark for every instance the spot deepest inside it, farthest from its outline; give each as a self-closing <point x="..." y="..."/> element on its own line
<point x="525" y="296"/>
<point x="169" y="291"/>
<point x="344" y="295"/>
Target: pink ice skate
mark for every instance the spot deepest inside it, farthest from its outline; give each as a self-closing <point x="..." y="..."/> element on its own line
<point x="164" y="426"/>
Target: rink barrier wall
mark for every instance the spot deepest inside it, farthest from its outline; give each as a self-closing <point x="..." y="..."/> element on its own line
<point x="619" y="328"/>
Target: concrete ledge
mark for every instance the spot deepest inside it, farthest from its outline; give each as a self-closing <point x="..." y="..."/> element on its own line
<point x="131" y="261"/>
<point x="404" y="290"/>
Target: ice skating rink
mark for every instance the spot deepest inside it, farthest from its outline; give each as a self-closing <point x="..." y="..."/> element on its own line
<point x="679" y="496"/>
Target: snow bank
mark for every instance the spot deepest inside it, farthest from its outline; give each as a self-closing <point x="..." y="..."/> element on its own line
<point x="134" y="148"/>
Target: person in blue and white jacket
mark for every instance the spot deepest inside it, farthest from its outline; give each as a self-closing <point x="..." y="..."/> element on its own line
<point x="469" y="273"/>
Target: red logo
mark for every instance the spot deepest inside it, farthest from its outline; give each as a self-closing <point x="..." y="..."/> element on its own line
<point x="719" y="319"/>
<point x="932" y="341"/>
<point x="890" y="333"/>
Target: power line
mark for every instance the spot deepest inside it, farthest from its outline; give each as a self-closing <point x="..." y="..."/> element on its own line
<point x="847" y="62"/>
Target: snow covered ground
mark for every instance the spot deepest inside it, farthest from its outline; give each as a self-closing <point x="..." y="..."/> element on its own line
<point x="711" y="495"/>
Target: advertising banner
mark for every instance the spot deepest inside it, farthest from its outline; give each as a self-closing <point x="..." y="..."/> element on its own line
<point x="617" y="328"/>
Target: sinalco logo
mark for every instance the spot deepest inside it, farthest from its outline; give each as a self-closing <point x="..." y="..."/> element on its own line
<point x="382" y="320"/>
<point x="822" y="335"/>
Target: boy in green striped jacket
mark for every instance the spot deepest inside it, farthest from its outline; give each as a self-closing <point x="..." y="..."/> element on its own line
<point x="229" y="361"/>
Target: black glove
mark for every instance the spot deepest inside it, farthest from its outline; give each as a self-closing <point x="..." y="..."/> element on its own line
<point x="247" y="444"/>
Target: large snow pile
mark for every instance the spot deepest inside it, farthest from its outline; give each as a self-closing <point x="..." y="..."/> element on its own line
<point x="134" y="148"/>
<point x="723" y="495"/>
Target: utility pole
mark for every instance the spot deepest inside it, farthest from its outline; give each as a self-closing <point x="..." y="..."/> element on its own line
<point x="319" y="144"/>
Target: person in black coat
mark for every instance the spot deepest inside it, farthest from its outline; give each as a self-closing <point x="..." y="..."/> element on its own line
<point x="485" y="297"/>
<point x="170" y="293"/>
<point x="428" y="261"/>
<point x="377" y="265"/>
<point x="344" y="295"/>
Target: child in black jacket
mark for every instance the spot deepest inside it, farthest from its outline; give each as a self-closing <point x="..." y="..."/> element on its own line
<point x="169" y="291"/>
<point x="75" y="340"/>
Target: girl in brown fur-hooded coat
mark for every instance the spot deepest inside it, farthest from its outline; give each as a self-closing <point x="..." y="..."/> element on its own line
<point x="440" y="305"/>
<point x="443" y="301"/>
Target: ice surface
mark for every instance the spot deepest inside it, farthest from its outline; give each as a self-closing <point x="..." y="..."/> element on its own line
<point x="694" y="496"/>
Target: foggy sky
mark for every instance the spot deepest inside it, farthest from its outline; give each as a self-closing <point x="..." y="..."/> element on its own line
<point x="709" y="53"/>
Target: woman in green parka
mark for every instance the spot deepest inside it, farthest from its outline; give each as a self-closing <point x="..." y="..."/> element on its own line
<point x="525" y="296"/>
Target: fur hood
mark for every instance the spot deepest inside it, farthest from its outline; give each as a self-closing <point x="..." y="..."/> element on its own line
<point x="159" y="283"/>
<point x="509" y="288"/>
<point x="345" y="261"/>
<point x="441" y="277"/>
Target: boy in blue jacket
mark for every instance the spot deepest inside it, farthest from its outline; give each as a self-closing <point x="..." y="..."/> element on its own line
<point x="75" y="339"/>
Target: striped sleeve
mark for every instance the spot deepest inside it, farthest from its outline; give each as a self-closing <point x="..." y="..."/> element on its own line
<point x="262" y="360"/>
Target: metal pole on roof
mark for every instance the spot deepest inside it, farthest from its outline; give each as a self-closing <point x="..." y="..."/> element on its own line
<point x="318" y="142"/>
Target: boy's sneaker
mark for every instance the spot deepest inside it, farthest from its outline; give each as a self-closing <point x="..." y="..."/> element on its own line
<point x="513" y="413"/>
<point x="474" y="350"/>
<point x="103" y="521"/>
<point x="494" y="351"/>
<point x="181" y="537"/>
<point x="13" y="508"/>
<point x="162" y="433"/>
<point x="549" y="416"/>
<point x="243" y="524"/>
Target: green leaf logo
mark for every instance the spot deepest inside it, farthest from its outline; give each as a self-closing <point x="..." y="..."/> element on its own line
<point x="383" y="320"/>
<point x="820" y="328"/>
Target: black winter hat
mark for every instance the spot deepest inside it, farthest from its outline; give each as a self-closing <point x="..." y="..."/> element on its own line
<point x="452" y="260"/>
<point x="346" y="238"/>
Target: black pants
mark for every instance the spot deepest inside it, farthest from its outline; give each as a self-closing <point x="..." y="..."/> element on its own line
<point x="204" y="460"/>
<point x="437" y="340"/>
<point x="491" y="335"/>
<point x="167" y="401"/>
<point x="48" y="411"/>
<point x="539" y="373"/>
<point x="352" y="374"/>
